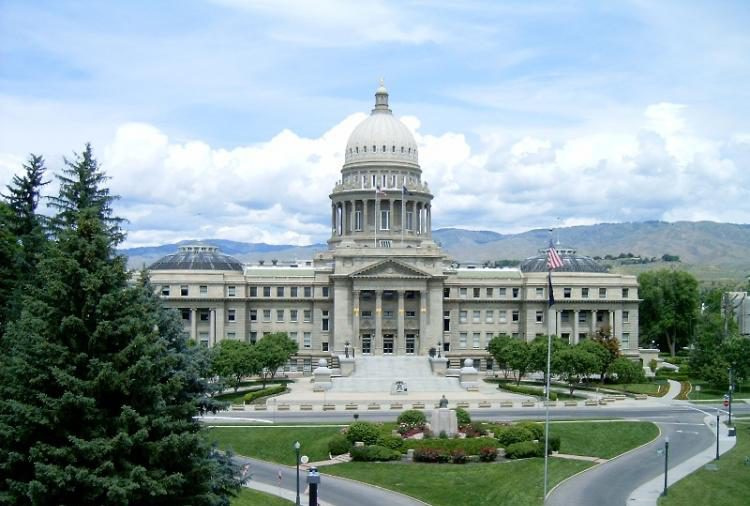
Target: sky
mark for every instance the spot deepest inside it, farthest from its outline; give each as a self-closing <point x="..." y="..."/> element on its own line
<point x="229" y="118"/>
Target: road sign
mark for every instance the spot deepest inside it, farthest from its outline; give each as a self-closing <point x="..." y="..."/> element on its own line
<point x="726" y="403"/>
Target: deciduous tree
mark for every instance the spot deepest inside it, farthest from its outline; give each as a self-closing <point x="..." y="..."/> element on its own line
<point x="272" y="352"/>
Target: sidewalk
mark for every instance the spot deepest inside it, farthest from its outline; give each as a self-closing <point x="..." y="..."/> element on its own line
<point x="674" y="390"/>
<point x="648" y="493"/>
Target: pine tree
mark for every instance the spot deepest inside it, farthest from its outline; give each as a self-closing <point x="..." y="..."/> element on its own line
<point x="98" y="388"/>
<point x="9" y="253"/>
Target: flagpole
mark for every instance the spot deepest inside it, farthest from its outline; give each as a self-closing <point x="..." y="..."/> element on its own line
<point x="546" y="404"/>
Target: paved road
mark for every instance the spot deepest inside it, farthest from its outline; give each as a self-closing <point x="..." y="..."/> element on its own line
<point x="333" y="491"/>
<point x="613" y="482"/>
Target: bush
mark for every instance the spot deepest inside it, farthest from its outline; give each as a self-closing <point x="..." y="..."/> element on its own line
<point x="431" y="455"/>
<point x="265" y="392"/>
<point x="554" y="443"/>
<point x="412" y="418"/>
<point x="470" y="446"/>
<point x="458" y="456"/>
<point x="474" y="429"/>
<point x="374" y="453"/>
<point x="537" y="429"/>
<point x="392" y="442"/>
<point x="488" y="454"/>
<point x="443" y="435"/>
<point x="338" y="445"/>
<point x="514" y="434"/>
<point x="524" y="449"/>
<point x="627" y="371"/>
<point x="526" y="390"/>
<point x="462" y="416"/>
<point x="366" y="432"/>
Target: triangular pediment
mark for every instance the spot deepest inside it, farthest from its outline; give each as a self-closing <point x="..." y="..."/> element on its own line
<point x="390" y="269"/>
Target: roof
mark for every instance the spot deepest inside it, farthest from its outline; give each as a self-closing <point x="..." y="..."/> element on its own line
<point x="198" y="257"/>
<point x="572" y="262"/>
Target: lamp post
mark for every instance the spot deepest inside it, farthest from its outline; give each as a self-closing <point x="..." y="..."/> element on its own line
<point x="717" y="433"/>
<point x="731" y="390"/>
<point x="666" y="463"/>
<point x="439" y="347"/>
<point x="296" y="451"/>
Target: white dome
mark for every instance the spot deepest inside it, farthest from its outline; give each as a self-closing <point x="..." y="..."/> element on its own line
<point x="381" y="137"/>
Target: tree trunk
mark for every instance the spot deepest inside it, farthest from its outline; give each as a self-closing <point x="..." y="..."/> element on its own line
<point x="671" y="344"/>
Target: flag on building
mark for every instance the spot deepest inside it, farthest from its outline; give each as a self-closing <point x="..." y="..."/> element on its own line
<point x="379" y="192"/>
<point x="404" y="191"/>
<point x="553" y="259"/>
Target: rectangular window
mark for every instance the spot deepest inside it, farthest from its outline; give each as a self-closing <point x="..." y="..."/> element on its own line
<point x="366" y="314"/>
<point x="203" y="289"/>
<point x="231" y="315"/>
<point x="564" y="316"/>
<point x="602" y="293"/>
<point x="205" y="315"/>
<point x="502" y="316"/>
<point x="515" y="293"/>
<point x="293" y="315"/>
<point x="324" y="346"/>
<point x="514" y="335"/>
<point x="446" y="292"/>
<point x="253" y="291"/>
<point x="599" y="316"/>
<point x="266" y="315"/>
<point x="462" y="338"/>
<point x="293" y="291"/>
<point x="231" y="291"/>
<point x="501" y="292"/>
<point x="582" y="317"/>
<point x="279" y="291"/>
<point x="489" y="316"/>
<point x="253" y="315"/>
<point x="307" y="315"/>
<point x="185" y="314"/>
<point x="411" y="314"/>
<point x="184" y="290"/>
<point x="567" y="292"/>
<point x="476" y="317"/>
<point x="584" y="293"/>
<point x="253" y="337"/>
<point x="293" y="337"/>
<point x="540" y="316"/>
<point x="409" y="220"/>
<point x="462" y="292"/>
<point x="307" y="291"/>
<point x="388" y="315"/>
<point x="625" y="293"/>
<point x="203" y="337"/>
<point x="625" y="341"/>
<point x="489" y="292"/>
<point x="231" y="335"/>
<point x="463" y="316"/>
<point x="325" y="291"/>
<point x="307" y="340"/>
<point x="514" y="315"/>
<point x="324" y="322"/>
<point x="625" y="316"/>
<point x="488" y="336"/>
<point x="476" y="293"/>
<point x="446" y="321"/>
<point x="358" y="221"/>
<point x="385" y="220"/>
<point x="266" y="291"/>
<point x="539" y="292"/>
<point x="475" y="340"/>
<point x="280" y="315"/>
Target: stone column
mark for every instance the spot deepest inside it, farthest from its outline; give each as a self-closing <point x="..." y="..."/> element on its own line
<point x="617" y="327"/>
<point x="377" y="341"/>
<point x="194" y="324"/>
<point x="219" y="319"/>
<point x="333" y="219"/>
<point x="355" y="321"/>
<point x="575" y="327"/>
<point x="211" y="327"/>
<point x="400" y="335"/>
<point x="551" y="319"/>
<point x="558" y="323"/>
<point x="611" y="321"/>
<point x="365" y="230"/>
<point x="593" y="322"/>
<point x="423" y="318"/>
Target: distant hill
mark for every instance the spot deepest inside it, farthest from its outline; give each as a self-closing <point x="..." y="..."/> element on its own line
<point x="710" y="250"/>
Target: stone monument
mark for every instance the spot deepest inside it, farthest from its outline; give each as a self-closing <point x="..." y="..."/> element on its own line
<point x="322" y="377"/>
<point x="443" y="420"/>
<point x="469" y="375"/>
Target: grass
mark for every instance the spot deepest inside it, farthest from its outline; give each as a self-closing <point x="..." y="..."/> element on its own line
<point x="604" y="440"/>
<point x="250" y="497"/>
<point x="654" y="389"/>
<point x="275" y="443"/>
<point x="518" y="483"/>
<point x="729" y="485"/>
<point x="709" y="393"/>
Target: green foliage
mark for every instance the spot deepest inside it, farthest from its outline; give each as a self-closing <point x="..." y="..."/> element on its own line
<point x="458" y="456"/>
<point x="233" y="360"/>
<point x="462" y="416"/>
<point x="338" y="445"/>
<point x="576" y="363"/>
<point x="366" y="432"/>
<point x="610" y="344"/>
<point x="517" y="353"/>
<point x="513" y="434"/>
<point x="98" y="389"/>
<point x="524" y="450"/>
<point x="669" y="307"/>
<point x="653" y="364"/>
<point x="538" y="353"/>
<point x="263" y="392"/>
<point x="627" y="371"/>
<point x="272" y="352"/>
<point x="527" y="390"/>
<point x="390" y="441"/>
<point x="373" y="453"/>
<point x="498" y="348"/>
<point x="488" y="454"/>
<point x="537" y="429"/>
<point x="554" y="442"/>
<point x="412" y="418"/>
<point x="471" y="446"/>
<point x="431" y="455"/>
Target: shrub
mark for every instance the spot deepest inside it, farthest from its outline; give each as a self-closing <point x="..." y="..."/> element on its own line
<point x="443" y="435"/>
<point x="554" y="443"/>
<point x="373" y="453"/>
<point x="627" y="371"/>
<point x="526" y="390"/>
<point x="366" y="432"/>
<point x="458" y="456"/>
<point x="470" y="446"/>
<point x="537" y="429"/>
<point x="412" y="418"/>
<point x="431" y="455"/>
<point x="392" y="442"/>
<point x="488" y="454"/>
<point x="524" y="449"/>
<point x="265" y="392"/>
<point x="474" y="429"/>
<point x="462" y="416"/>
<point x="338" y="445"/>
<point x="514" y="434"/>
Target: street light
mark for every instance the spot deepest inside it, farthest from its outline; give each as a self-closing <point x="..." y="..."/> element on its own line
<point x="666" y="463"/>
<point x="440" y="347"/>
<point x="296" y="451"/>
<point x="731" y="390"/>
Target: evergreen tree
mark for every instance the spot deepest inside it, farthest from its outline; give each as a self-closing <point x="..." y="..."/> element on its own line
<point x="9" y="252"/>
<point x="98" y="388"/>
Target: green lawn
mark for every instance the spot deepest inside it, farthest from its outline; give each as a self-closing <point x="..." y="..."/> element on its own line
<point x="729" y="485"/>
<point x="249" y="497"/>
<point x="275" y="444"/>
<point x="656" y="389"/>
<point x="707" y="392"/>
<point x="518" y="483"/>
<point x="605" y="439"/>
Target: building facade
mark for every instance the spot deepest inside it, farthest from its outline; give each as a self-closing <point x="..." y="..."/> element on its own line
<point x="384" y="286"/>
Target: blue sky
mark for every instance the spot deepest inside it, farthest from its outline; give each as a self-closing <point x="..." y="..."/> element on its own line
<point x="228" y="118"/>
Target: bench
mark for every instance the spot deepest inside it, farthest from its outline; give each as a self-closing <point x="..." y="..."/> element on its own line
<point x="506" y="404"/>
<point x="260" y="407"/>
<point x="528" y="404"/>
<point x="282" y="407"/>
<point x="418" y="405"/>
<point x="373" y="405"/>
<point x="485" y="404"/>
<point x="571" y="403"/>
<point x="590" y="402"/>
<point x="329" y="407"/>
<point x="462" y="405"/>
<point x="238" y="407"/>
<point x="305" y="407"/>
<point x="352" y="406"/>
<point x="396" y="405"/>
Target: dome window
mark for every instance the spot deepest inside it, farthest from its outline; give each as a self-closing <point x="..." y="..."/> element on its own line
<point x="364" y="148"/>
<point x="393" y="149"/>
<point x="409" y="150"/>
<point x="357" y="149"/>
<point x="402" y="149"/>
<point x="384" y="148"/>
<point x="374" y="148"/>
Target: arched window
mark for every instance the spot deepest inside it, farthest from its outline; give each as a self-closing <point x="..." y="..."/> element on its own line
<point x="409" y="150"/>
<point x="357" y="149"/>
<point x="393" y="149"/>
<point x="402" y="149"/>
<point x="384" y="148"/>
<point x="365" y="148"/>
<point x="374" y="148"/>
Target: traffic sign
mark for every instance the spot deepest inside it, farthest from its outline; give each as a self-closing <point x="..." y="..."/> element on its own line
<point x="726" y="403"/>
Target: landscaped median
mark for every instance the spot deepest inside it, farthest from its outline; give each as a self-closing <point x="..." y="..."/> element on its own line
<point x="451" y="471"/>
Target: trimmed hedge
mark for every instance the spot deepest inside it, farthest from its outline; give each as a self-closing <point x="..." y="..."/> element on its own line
<point x="412" y="417"/>
<point x="514" y="434"/>
<point x="392" y="442"/>
<point x="520" y="389"/>
<point x="471" y="446"/>
<point x="488" y="454"/>
<point x="265" y="392"/>
<point x="339" y="445"/>
<point x="374" y="453"/>
<point x="366" y="432"/>
<point x="431" y="455"/>
<point x="458" y="456"/>
<point x="525" y="449"/>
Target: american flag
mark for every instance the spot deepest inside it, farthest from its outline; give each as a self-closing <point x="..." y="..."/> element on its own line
<point x="379" y="192"/>
<point x="553" y="259"/>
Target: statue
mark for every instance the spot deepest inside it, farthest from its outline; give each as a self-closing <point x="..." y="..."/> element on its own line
<point x="443" y="402"/>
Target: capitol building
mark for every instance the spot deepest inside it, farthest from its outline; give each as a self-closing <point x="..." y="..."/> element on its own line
<point x="383" y="286"/>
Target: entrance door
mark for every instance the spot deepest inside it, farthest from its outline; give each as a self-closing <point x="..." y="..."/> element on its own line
<point x="387" y="344"/>
<point x="410" y="344"/>
<point x="366" y="344"/>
